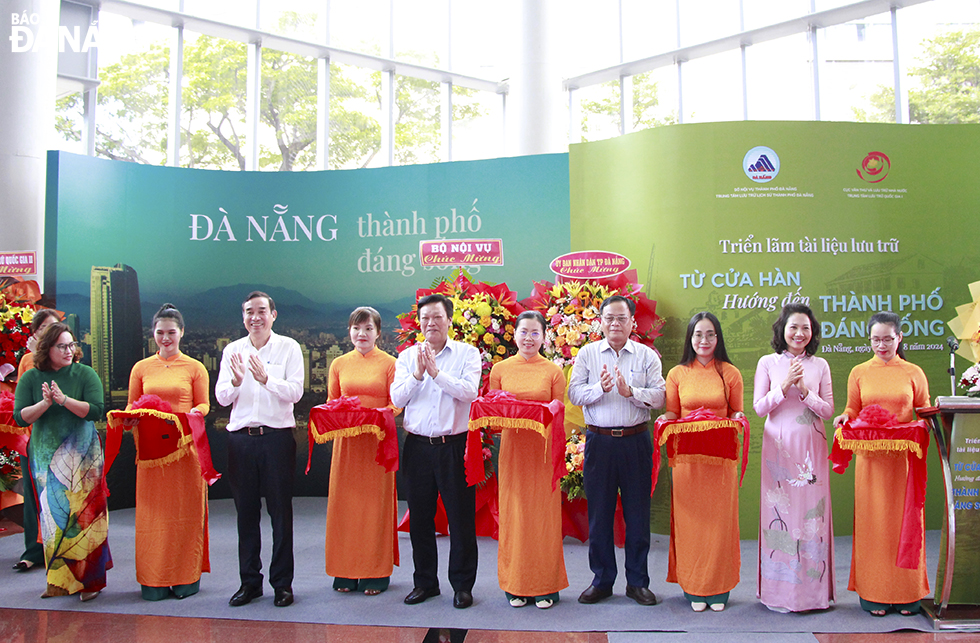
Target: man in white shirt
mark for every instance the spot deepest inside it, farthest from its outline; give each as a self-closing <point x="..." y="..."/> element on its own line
<point x="435" y="381"/>
<point x="262" y="377"/>
<point x="617" y="382"/>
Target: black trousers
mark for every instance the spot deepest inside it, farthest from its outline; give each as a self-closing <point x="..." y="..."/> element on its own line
<point x="263" y="466"/>
<point x="432" y="470"/>
<point x="618" y="465"/>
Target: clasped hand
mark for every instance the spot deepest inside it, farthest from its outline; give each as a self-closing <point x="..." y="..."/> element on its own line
<point x="255" y="367"/>
<point x="795" y="377"/>
<point x="425" y="361"/>
<point x="609" y="380"/>
<point x="52" y="393"/>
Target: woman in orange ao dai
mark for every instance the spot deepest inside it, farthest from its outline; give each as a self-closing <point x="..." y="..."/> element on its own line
<point x="530" y="559"/>
<point x="704" y="549"/>
<point x="361" y="544"/>
<point x="879" y="480"/>
<point x="172" y="499"/>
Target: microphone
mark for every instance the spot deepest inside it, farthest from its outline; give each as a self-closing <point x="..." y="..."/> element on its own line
<point x="954" y="345"/>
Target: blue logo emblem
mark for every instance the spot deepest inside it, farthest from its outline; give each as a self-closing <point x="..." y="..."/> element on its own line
<point x="761" y="164"/>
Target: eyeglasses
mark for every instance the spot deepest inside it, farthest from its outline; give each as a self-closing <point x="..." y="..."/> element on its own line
<point x="622" y="320"/>
<point x="66" y="348"/>
<point x="698" y="336"/>
<point x="534" y="334"/>
<point x="883" y="341"/>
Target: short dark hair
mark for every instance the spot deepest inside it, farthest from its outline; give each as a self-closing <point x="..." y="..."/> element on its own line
<point x="255" y="294"/>
<point x="41" y="316"/>
<point x="168" y="312"/>
<point x="361" y="314"/>
<point x="779" y="328"/>
<point x="721" y="353"/>
<point x="893" y="320"/>
<point x="612" y="299"/>
<point x="47" y="340"/>
<point x="436" y="298"/>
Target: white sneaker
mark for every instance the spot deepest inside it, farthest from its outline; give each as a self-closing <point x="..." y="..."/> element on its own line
<point x="699" y="606"/>
<point x="717" y="607"/>
<point x="518" y="601"/>
<point x="543" y="603"/>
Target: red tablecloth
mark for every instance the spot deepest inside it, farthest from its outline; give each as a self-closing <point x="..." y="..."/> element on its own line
<point x="912" y="438"/>
<point x="345" y="417"/>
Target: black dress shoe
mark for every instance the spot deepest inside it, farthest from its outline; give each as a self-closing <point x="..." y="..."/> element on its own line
<point x="245" y="595"/>
<point x="284" y="597"/>
<point x="593" y="595"/>
<point x="462" y="599"/>
<point x="419" y="594"/>
<point x="641" y="595"/>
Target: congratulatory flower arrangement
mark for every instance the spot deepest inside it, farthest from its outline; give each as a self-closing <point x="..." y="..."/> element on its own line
<point x="15" y="330"/>
<point x="571" y="309"/>
<point x="573" y="482"/>
<point x="483" y="316"/>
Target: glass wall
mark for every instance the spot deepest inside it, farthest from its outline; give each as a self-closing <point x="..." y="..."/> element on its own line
<point x="400" y="78"/>
<point x="845" y="71"/>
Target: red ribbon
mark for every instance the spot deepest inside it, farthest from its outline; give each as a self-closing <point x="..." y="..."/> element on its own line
<point x="495" y="407"/>
<point x="12" y="436"/>
<point x="898" y="434"/>
<point x="345" y="413"/>
<point x="719" y="442"/>
<point x="152" y="440"/>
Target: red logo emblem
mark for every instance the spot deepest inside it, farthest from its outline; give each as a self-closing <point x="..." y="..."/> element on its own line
<point x="875" y="167"/>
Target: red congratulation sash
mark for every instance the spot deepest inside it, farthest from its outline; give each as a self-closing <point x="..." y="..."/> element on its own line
<point x="877" y="431"/>
<point x="163" y="438"/>
<point x="344" y="418"/>
<point x="12" y="436"/>
<point x="701" y="436"/>
<point x="500" y="410"/>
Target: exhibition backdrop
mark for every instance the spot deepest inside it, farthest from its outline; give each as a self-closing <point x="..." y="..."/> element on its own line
<point x="735" y="218"/>
<point x="320" y="243"/>
<point x="739" y="218"/>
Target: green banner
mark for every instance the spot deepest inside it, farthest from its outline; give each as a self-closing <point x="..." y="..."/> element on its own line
<point x="740" y="218"/>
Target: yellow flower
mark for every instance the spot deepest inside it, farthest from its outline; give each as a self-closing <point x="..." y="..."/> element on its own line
<point x="569" y="309"/>
<point x="574" y="351"/>
<point x="483" y="309"/>
<point x="588" y="313"/>
<point x="420" y="338"/>
<point x="559" y="341"/>
<point x="508" y="337"/>
<point x="488" y="339"/>
<point x="485" y="321"/>
<point x="552" y="312"/>
<point x="562" y="330"/>
<point x="501" y="350"/>
<point x="509" y="328"/>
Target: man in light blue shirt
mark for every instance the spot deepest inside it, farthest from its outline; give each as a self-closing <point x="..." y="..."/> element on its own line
<point x="435" y="382"/>
<point x="617" y="382"/>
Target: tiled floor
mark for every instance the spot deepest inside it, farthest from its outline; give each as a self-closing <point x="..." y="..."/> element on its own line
<point x="38" y="626"/>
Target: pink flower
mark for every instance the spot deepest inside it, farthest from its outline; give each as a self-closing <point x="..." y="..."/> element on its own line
<point x="486" y="453"/>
